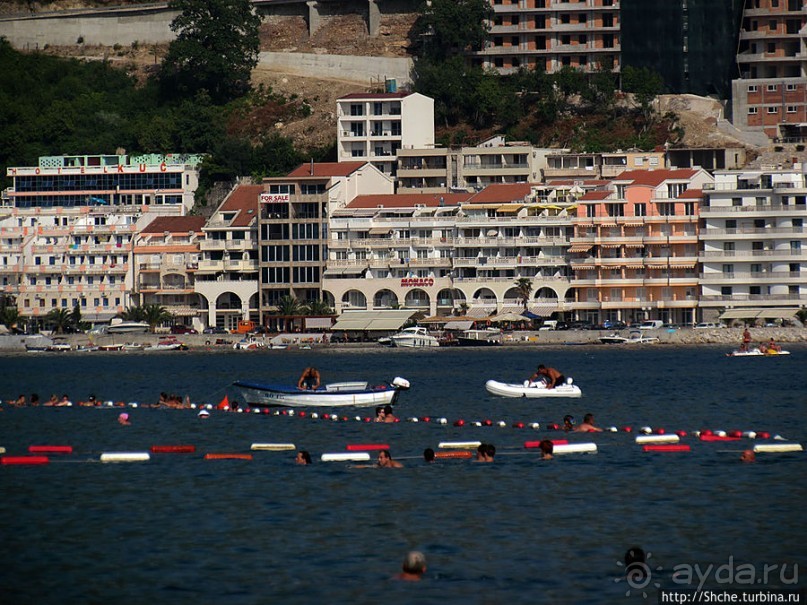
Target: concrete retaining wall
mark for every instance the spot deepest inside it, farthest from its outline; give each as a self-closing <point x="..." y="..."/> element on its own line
<point x="339" y="67"/>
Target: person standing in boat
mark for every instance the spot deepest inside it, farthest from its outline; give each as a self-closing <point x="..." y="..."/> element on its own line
<point x="552" y="377"/>
<point x="309" y="380"/>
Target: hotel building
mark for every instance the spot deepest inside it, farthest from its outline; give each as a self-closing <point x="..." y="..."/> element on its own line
<point x="293" y="226"/>
<point x="753" y="244"/>
<point x="372" y="127"/>
<point x="227" y="278"/>
<point x="450" y="253"/>
<point x="166" y="257"/>
<point x="67" y="228"/>
<point x="635" y="248"/>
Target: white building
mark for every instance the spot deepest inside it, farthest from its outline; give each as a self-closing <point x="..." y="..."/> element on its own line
<point x="67" y="228"/>
<point x="374" y="126"/>
<point x="753" y="245"/>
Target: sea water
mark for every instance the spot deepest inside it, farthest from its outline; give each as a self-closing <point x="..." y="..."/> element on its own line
<point x="181" y="529"/>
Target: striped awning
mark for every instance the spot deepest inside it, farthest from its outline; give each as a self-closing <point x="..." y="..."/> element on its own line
<point x="759" y="312"/>
<point x="577" y="248"/>
<point x="381" y="320"/>
<point x="183" y="311"/>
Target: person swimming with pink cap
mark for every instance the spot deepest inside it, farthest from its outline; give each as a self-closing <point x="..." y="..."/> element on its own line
<point x="124" y="419"/>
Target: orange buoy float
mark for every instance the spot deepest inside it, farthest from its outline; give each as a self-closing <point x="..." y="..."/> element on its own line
<point x="173" y="449"/>
<point x="50" y="449"/>
<point x="366" y="447"/>
<point x="21" y="460"/>
<point x="454" y="454"/>
<point x="228" y="456"/>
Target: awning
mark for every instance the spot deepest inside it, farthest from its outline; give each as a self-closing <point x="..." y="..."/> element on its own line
<point x="458" y="325"/>
<point x="510" y="208"/>
<point x="354" y="270"/>
<point x="577" y="248"/>
<point x="633" y="245"/>
<point x="757" y="312"/>
<point x="544" y="309"/>
<point x="318" y="323"/>
<point x="379" y="231"/>
<point x="507" y="317"/>
<point x="480" y="312"/>
<point x="381" y="320"/>
<point x="183" y="311"/>
<point x="610" y="245"/>
<point x="680" y="265"/>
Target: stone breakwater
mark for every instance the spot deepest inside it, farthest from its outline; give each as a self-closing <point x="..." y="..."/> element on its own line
<point x="685" y="336"/>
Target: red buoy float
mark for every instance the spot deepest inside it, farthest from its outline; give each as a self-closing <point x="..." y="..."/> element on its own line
<point x="459" y="422"/>
<point x="667" y="447"/>
<point x="173" y="449"/>
<point x="681" y="433"/>
<point x="534" y="444"/>
<point x="705" y="437"/>
<point x="50" y="449"/>
<point x="20" y="460"/>
<point x="366" y="447"/>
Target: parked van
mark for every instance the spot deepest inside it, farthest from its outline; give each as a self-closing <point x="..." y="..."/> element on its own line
<point x="549" y="324"/>
<point x="651" y="324"/>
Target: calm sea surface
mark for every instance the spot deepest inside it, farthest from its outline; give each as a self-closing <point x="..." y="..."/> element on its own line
<point x="179" y="529"/>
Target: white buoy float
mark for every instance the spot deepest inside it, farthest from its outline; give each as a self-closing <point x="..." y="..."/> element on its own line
<point x="778" y="447"/>
<point x="575" y="448"/>
<point x="273" y="447"/>
<point x="346" y="457"/>
<point x="459" y="445"/>
<point x="125" y="457"/>
<point x="648" y="439"/>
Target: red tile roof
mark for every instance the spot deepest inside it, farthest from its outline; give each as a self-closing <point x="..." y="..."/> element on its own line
<point x="325" y="169"/>
<point x="409" y="200"/>
<point x="375" y="95"/>
<point x="242" y="200"/>
<point x="175" y="224"/>
<point x="591" y="196"/>
<point x="691" y="194"/>
<point x="502" y="193"/>
<point x="654" y="178"/>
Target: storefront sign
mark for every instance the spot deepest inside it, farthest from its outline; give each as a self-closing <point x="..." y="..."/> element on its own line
<point x="417" y="282"/>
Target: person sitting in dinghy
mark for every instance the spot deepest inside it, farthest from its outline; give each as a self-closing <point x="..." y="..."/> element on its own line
<point x="551" y="376"/>
<point x="309" y="380"/>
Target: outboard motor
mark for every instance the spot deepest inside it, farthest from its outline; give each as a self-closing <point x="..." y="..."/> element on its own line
<point x="400" y="383"/>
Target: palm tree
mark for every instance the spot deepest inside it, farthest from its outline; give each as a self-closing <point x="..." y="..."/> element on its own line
<point x="135" y="313"/>
<point x="61" y="319"/>
<point x="318" y="307"/>
<point x="155" y="315"/>
<point x="289" y="305"/>
<point x="524" y="288"/>
<point x="10" y="317"/>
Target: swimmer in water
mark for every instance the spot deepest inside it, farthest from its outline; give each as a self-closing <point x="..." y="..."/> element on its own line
<point x="385" y="460"/>
<point x="587" y="426"/>
<point x="414" y="566"/>
<point x="124" y="419"/>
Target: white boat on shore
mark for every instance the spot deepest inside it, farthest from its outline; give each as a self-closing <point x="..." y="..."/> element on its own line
<point x="166" y="344"/>
<point x="533" y="390"/>
<point x="489" y="337"/>
<point x="635" y="337"/>
<point x="337" y="394"/>
<point x="413" y="337"/>
<point x="127" y="327"/>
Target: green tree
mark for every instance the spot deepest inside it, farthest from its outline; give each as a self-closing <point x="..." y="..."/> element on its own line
<point x="289" y="305"/>
<point x="216" y="49"/>
<point x="524" y="288"/>
<point x="450" y="27"/>
<point x="135" y="313"/>
<point x="645" y="84"/>
<point x="318" y="307"/>
<point x="154" y="315"/>
<point x="10" y="317"/>
<point x="60" y="320"/>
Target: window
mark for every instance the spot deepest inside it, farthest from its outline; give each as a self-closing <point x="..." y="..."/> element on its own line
<point x="792" y="109"/>
<point x="773" y="110"/>
<point x="615" y="209"/>
<point x="736" y="202"/>
<point x="356" y="109"/>
<point x="752" y="88"/>
<point x="640" y="210"/>
<point x="728" y="248"/>
<point x="791" y="87"/>
<point x="771" y="87"/>
<point x="726" y="290"/>
<point x="728" y="270"/>
<point x="752" y="111"/>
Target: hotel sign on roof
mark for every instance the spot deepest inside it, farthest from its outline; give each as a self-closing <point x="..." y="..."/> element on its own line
<point x="119" y="169"/>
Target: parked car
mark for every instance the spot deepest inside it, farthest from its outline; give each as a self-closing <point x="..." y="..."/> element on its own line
<point x="180" y="329"/>
<point x="614" y="324"/>
<point x="707" y="325"/>
<point x="214" y="330"/>
<point x="581" y="325"/>
<point x="562" y="325"/>
<point x="651" y="324"/>
<point x="259" y="330"/>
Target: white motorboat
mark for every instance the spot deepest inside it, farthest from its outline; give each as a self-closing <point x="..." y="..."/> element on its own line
<point x="533" y="390"/>
<point x="415" y="337"/>
<point x="338" y="394"/>
<point x="127" y="327"/>
<point x="635" y="337"/>
<point x="249" y="344"/>
<point x="60" y="345"/>
<point x="755" y="352"/>
<point x="166" y="344"/>
<point x="488" y="337"/>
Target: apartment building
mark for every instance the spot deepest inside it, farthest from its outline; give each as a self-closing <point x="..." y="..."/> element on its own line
<point x="67" y="228"/>
<point x="373" y="127"/>
<point x="753" y="245"/>
<point x="166" y="258"/>
<point x="227" y="278"/>
<point x="634" y="253"/>
<point x="771" y="94"/>
<point x="548" y="35"/>
<point x="293" y="226"/>
<point x="446" y="253"/>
